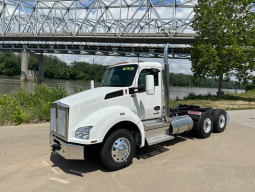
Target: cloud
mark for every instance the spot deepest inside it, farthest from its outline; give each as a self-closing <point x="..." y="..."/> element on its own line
<point x="180" y="66"/>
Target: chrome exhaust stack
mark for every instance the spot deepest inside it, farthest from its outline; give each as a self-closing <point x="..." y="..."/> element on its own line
<point x="179" y="124"/>
<point x="166" y="84"/>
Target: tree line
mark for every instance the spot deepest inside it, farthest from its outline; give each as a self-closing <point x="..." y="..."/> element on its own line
<point x="54" y="68"/>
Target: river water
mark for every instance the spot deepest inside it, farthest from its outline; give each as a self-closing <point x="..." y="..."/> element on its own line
<point x="9" y="85"/>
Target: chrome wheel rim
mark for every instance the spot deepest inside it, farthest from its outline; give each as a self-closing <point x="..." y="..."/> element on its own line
<point x="120" y="150"/>
<point x="222" y="121"/>
<point x="207" y="125"/>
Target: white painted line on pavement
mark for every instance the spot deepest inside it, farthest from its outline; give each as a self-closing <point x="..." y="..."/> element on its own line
<point x="60" y="180"/>
<point x="45" y="163"/>
<point x="55" y="171"/>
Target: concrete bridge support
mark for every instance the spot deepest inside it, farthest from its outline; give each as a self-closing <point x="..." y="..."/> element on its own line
<point x="30" y="75"/>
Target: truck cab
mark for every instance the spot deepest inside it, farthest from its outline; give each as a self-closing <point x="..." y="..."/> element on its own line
<point x="128" y="109"/>
<point x="132" y="78"/>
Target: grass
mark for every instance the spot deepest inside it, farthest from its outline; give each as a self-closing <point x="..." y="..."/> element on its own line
<point x="228" y="101"/>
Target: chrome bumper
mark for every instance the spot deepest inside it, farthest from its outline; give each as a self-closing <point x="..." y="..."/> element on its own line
<point x="66" y="150"/>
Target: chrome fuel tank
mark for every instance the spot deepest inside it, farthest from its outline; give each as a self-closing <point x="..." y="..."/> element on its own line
<point x="181" y="124"/>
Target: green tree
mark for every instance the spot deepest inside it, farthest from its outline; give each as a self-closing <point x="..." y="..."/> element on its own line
<point x="250" y="86"/>
<point x="10" y="67"/>
<point x="54" y="60"/>
<point x="33" y="64"/>
<point x="226" y="43"/>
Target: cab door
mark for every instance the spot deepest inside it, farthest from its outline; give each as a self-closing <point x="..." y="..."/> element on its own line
<point x="147" y="106"/>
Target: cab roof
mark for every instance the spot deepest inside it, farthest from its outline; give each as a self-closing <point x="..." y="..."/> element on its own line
<point x="141" y="64"/>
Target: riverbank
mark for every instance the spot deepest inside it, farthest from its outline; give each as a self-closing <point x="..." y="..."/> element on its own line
<point x="25" y="107"/>
<point x="10" y="77"/>
<point x="228" y="101"/>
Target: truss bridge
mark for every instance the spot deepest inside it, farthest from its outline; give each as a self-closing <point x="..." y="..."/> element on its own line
<point x="132" y="28"/>
<point x="107" y="21"/>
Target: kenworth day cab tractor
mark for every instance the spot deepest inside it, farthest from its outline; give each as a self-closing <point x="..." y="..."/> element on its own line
<point x="130" y="108"/>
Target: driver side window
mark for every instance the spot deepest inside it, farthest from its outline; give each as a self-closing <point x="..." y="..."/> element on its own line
<point x="142" y="77"/>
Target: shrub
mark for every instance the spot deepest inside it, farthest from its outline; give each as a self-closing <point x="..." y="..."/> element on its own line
<point x="8" y="106"/>
<point x="18" y="116"/>
<point x="25" y="107"/>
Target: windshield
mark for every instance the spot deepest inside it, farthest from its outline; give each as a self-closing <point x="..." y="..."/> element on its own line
<point x="120" y="76"/>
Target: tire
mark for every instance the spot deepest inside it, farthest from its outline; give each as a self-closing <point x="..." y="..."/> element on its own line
<point x="205" y="125"/>
<point x="219" y="120"/>
<point x="118" y="150"/>
<point x="210" y="111"/>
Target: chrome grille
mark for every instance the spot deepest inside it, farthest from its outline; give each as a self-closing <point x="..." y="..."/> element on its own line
<point x="59" y="115"/>
<point x="53" y="116"/>
<point x="62" y="122"/>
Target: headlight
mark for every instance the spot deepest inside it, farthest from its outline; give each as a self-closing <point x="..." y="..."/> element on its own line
<point x="83" y="132"/>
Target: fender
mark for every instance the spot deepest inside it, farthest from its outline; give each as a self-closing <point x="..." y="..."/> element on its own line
<point x="103" y="120"/>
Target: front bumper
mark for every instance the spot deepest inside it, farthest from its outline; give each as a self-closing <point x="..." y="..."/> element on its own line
<point x="66" y="150"/>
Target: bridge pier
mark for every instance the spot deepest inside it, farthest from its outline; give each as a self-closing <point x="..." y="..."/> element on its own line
<point x="30" y="75"/>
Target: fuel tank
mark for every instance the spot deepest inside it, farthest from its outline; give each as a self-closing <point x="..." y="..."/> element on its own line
<point x="181" y="124"/>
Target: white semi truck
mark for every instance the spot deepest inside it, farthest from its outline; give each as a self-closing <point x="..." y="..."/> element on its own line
<point x="130" y="108"/>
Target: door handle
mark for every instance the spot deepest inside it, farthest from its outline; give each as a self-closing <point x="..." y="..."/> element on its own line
<point x="157" y="108"/>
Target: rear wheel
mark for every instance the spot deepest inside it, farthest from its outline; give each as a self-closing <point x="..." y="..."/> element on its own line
<point x="205" y="125"/>
<point x="118" y="150"/>
<point x="219" y="120"/>
<point x="210" y="111"/>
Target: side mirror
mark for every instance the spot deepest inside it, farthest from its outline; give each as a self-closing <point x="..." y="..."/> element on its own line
<point x="150" y="87"/>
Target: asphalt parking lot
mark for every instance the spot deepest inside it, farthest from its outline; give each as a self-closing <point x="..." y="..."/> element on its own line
<point x="223" y="162"/>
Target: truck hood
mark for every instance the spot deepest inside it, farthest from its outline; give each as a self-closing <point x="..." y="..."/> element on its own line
<point x="89" y="95"/>
<point x="84" y="104"/>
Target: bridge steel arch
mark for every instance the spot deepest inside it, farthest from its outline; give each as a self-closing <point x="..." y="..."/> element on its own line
<point x="107" y="21"/>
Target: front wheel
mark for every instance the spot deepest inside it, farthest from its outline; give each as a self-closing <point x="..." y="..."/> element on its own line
<point x="118" y="150"/>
